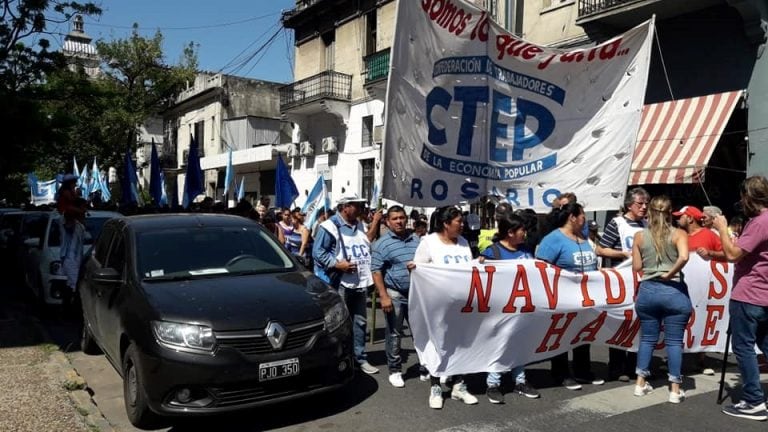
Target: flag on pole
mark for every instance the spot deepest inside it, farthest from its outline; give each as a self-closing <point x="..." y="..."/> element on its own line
<point x="41" y="192"/>
<point x="229" y="176"/>
<point x="129" y="182"/>
<point x="285" y="189"/>
<point x="193" y="181"/>
<point x="76" y="171"/>
<point x="164" y="194"/>
<point x="241" y="189"/>
<point x="106" y="195"/>
<point x="85" y="183"/>
<point x="316" y="201"/>
<point x="155" y="174"/>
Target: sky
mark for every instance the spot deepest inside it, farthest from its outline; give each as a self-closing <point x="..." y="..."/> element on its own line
<point x="228" y="32"/>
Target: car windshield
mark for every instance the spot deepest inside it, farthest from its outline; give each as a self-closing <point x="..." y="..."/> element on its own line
<point x="93" y="226"/>
<point x="189" y="253"/>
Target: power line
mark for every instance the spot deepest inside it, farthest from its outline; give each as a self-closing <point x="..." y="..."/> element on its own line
<point x="237" y="61"/>
<point x="262" y="48"/>
<point x="207" y="26"/>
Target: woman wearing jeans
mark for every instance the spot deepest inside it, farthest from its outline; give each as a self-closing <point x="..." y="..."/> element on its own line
<point x="661" y="251"/>
<point x="749" y="299"/>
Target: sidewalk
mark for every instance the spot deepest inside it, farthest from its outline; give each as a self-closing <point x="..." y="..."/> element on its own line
<point x="41" y="390"/>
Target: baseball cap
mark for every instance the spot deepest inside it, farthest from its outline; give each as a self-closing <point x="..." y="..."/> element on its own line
<point x="689" y="211"/>
<point x="350" y="199"/>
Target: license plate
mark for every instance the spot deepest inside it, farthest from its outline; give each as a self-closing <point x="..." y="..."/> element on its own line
<point x="278" y="369"/>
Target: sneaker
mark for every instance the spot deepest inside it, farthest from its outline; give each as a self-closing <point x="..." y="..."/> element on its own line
<point x="676" y="398"/>
<point x="495" y="396"/>
<point x="396" y="379"/>
<point x="436" y="397"/>
<point x="747" y="411"/>
<point x="368" y="368"/>
<point x="708" y="371"/>
<point x="444" y="379"/>
<point x="644" y="390"/>
<point x="623" y="378"/>
<point x="571" y="384"/>
<point x="590" y="380"/>
<point x="424" y="377"/>
<point x="527" y="390"/>
<point x="460" y="392"/>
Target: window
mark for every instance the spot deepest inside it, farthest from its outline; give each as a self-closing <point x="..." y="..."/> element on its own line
<point x="329" y="41"/>
<point x="370" y="33"/>
<point x="101" y="247"/>
<point x="116" y="258"/>
<point x="200" y="137"/>
<point x="367" y="139"/>
<point x="368" y="170"/>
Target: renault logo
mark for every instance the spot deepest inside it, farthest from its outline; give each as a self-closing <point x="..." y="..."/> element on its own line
<point x="276" y="334"/>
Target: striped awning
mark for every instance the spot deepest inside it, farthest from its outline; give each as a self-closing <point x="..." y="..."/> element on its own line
<point x="677" y="138"/>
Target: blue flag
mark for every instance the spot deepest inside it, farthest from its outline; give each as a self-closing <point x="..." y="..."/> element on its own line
<point x="316" y="201"/>
<point x="129" y="182"/>
<point x="164" y="195"/>
<point x="155" y="174"/>
<point x="42" y="192"/>
<point x="285" y="189"/>
<point x="229" y="176"/>
<point x="241" y="189"/>
<point x="76" y="171"/>
<point x="193" y="181"/>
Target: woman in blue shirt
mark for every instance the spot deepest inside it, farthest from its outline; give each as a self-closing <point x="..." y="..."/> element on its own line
<point x="510" y="246"/>
<point x="567" y="248"/>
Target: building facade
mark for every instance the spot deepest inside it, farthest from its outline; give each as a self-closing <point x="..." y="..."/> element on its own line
<point x="224" y="113"/>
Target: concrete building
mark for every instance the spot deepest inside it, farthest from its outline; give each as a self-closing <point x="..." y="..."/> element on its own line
<point x="225" y="112"/>
<point x="708" y="68"/>
<point x="78" y="50"/>
<point x="336" y="102"/>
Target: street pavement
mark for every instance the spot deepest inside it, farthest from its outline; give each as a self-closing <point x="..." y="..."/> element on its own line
<point x="370" y="403"/>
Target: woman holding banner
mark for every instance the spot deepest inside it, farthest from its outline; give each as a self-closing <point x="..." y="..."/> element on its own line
<point x="749" y="299"/>
<point x="660" y="251"/>
<point x="446" y="246"/>
<point x="567" y="248"/>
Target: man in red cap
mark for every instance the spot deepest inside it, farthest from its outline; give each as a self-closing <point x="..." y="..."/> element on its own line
<point x="705" y="243"/>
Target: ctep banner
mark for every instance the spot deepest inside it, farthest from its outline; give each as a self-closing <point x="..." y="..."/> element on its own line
<point x="493" y="316"/>
<point x="474" y="110"/>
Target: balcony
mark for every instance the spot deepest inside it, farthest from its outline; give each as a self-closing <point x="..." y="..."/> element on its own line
<point x="623" y="14"/>
<point x="328" y="85"/>
<point x="376" y="66"/>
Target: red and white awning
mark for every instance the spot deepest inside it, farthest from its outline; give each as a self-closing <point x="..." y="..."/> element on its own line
<point x="677" y="138"/>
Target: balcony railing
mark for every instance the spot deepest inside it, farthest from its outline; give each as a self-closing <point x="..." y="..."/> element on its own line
<point x="589" y="7"/>
<point x="377" y="66"/>
<point x="325" y="85"/>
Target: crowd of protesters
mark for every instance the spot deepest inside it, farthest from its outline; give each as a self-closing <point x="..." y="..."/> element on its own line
<point x="357" y="249"/>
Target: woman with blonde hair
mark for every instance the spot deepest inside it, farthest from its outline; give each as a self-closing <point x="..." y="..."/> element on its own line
<point x="660" y="251"/>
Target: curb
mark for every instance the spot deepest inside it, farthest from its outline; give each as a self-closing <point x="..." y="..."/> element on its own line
<point x="74" y="384"/>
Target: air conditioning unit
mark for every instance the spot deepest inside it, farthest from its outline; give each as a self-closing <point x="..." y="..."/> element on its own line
<point x="378" y="134"/>
<point x="306" y="149"/>
<point x="330" y="145"/>
<point x="293" y="150"/>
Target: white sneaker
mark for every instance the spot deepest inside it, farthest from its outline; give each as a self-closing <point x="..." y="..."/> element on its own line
<point x="642" y="391"/>
<point x="424" y="377"/>
<point x="676" y="398"/>
<point x="460" y="392"/>
<point x="436" y="397"/>
<point x="396" y="379"/>
<point x="368" y="368"/>
<point x="708" y="371"/>
<point x="443" y="379"/>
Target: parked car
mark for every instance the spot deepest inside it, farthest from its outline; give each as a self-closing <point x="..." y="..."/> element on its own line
<point x="42" y="261"/>
<point x="204" y="313"/>
<point x="15" y="229"/>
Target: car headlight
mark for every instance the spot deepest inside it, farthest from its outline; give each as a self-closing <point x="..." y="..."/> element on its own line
<point x="55" y="268"/>
<point x="335" y="316"/>
<point x="176" y="335"/>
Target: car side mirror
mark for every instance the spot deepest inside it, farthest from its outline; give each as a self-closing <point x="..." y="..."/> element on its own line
<point x="107" y="275"/>
<point x="32" y="242"/>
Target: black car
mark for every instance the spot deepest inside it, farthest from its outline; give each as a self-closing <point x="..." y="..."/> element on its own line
<point x="204" y="313"/>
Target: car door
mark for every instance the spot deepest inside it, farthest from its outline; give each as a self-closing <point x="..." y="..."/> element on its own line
<point x="90" y="288"/>
<point x="108" y="295"/>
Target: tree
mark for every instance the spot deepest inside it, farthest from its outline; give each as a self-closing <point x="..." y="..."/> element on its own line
<point x="25" y="63"/>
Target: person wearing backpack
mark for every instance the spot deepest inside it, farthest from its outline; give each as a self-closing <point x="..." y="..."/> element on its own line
<point x="509" y="246"/>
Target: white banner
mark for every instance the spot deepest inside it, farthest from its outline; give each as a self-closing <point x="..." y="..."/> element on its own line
<point x="493" y="316"/>
<point x="473" y="110"/>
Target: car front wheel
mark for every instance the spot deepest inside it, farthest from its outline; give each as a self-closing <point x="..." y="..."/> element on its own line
<point x="136" y="405"/>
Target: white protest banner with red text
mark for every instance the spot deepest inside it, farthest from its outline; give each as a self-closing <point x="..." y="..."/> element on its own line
<point x="474" y="110"/>
<point x="493" y="316"/>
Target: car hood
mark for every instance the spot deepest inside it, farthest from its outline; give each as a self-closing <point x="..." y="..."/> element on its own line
<point x="240" y="302"/>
